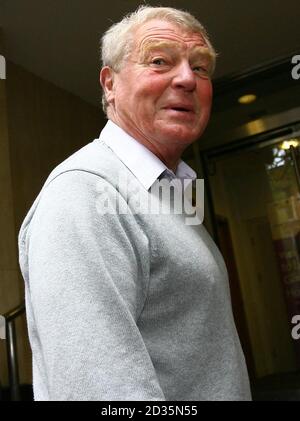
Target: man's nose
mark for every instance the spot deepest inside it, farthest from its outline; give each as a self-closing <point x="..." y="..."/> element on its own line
<point x="185" y="77"/>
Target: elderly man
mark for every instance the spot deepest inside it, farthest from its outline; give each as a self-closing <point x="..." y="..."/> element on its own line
<point x="127" y="305"/>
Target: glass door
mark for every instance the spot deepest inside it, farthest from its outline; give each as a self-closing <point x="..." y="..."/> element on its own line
<point x="256" y="201"/>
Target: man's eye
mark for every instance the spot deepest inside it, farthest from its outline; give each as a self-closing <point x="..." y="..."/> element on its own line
<point x="201" y="71"/>
<point x="158" y="61"/>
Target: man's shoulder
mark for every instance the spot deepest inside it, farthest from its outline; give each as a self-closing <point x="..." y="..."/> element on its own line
<point x="83" y="173"/>
<point x="95" y="158"/>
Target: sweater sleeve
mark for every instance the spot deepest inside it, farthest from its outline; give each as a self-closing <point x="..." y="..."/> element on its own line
<point x="88" y="275"/>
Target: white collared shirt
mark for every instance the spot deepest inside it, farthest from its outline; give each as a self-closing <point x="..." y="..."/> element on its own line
<point x="144" y="164"/>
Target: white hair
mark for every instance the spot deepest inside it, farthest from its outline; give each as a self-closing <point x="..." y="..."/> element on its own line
<point x="117" y="41"/>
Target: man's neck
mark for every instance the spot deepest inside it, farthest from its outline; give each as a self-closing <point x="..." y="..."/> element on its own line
<point x="169" y="156"/>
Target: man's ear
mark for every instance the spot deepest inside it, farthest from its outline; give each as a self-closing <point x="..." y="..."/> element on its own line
<point x="107" y="83"/>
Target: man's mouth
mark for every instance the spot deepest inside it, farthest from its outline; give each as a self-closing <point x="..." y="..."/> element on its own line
<point x="181" y="108"/>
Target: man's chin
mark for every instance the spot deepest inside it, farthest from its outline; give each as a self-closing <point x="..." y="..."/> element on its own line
<point x="179" y="133"/>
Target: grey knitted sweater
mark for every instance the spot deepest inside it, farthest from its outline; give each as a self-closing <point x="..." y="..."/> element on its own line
<point x="123" y="307"/>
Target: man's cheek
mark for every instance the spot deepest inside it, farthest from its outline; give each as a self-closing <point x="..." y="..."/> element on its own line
<point x="208" y="92"/>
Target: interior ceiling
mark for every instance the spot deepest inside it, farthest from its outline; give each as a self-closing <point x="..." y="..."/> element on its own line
<point x="59" y="40"/>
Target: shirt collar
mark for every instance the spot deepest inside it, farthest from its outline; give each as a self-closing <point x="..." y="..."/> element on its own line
<point x="132" y="154"/>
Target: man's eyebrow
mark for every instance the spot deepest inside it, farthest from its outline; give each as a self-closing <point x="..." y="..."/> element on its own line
<point x="151" y="44"/>
<point x="201" y="52"/>
<point x="204" y="53"/>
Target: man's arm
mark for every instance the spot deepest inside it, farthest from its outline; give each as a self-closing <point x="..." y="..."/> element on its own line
<point x="88" y="278"/>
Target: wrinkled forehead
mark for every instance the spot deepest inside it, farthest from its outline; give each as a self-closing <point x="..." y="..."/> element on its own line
<point x="166" y="36"/>
<point x="158" y="32"/>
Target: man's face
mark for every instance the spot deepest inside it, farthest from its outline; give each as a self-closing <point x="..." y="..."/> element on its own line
<point x="163" y="93"/>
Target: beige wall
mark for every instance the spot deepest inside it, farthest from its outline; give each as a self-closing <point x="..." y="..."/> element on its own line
<point x="10" y="294"/>
<point x="40" y="125"/>
<point x="46" y="125"/>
